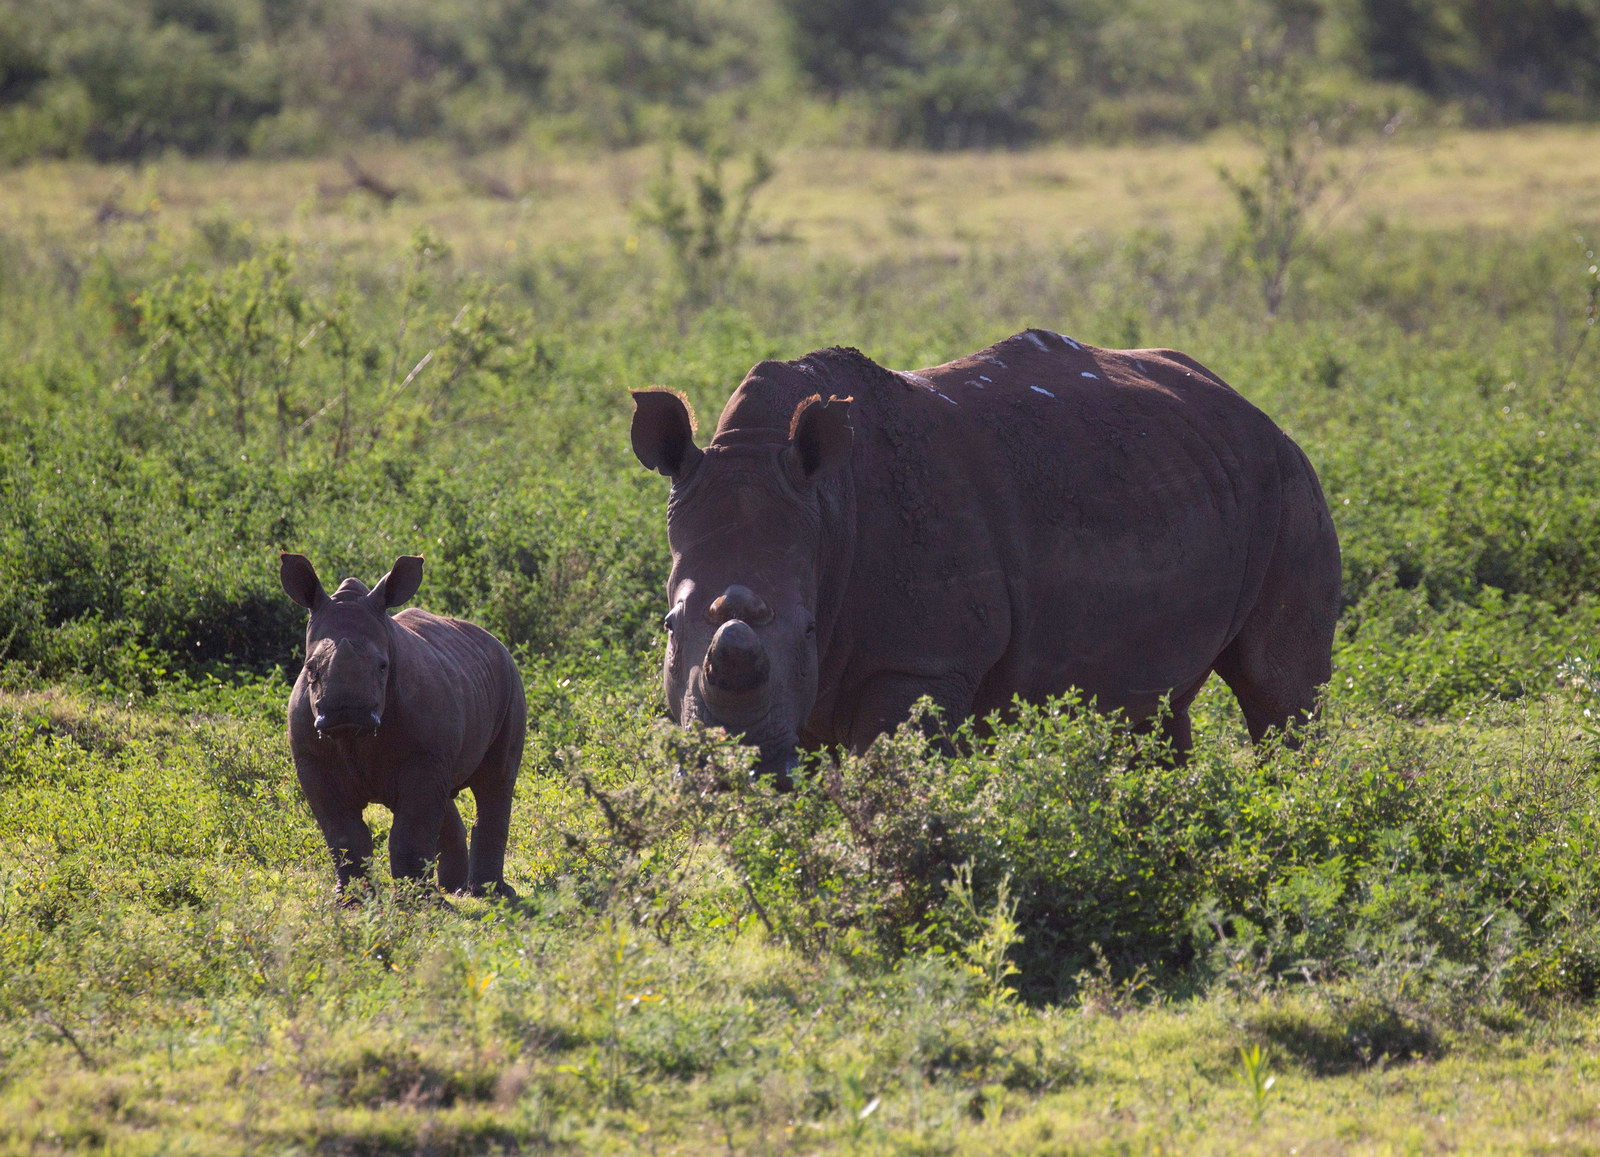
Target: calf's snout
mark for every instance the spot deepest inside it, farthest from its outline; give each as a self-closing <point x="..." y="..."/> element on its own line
<point x="347" y="723"/>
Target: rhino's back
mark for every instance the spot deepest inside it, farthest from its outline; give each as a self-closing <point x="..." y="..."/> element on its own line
<point x="1066" y="515"/>
<point x="452" y="668"/>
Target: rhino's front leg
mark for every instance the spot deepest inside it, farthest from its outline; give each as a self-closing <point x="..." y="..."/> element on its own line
<point x="351" y="845"/>
<point x="452" y="851"/>
<point x="886" y="700"/>
<point x="348" y="837"/>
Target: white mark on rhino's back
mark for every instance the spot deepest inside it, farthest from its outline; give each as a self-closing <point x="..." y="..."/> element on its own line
<point x="1087" y="374"/>
<point x="952" y="401"/>
<point x="1041" y="390"/>
<point x="1036" y="340"/>
<point x="1069" y="341"/>
<point x="917" y="378"/>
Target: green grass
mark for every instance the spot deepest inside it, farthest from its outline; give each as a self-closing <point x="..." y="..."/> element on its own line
<point x="175" y="967"/>
<point x="1052" y="941"/>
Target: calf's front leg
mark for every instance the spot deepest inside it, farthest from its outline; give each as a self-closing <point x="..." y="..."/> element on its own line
<point x="348" y="838"/>
<point x="452" y="851"/>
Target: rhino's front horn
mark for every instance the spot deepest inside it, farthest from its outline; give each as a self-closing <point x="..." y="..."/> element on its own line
<point x="736" y="661"/>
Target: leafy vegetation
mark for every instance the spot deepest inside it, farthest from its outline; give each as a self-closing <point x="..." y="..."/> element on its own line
<point x="1044" y="937"/>
<point x="115" y="79"/>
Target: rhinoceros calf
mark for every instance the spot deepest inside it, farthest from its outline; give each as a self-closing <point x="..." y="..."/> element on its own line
<point x="404" y="711"/>
<point x="1037" y="516"/>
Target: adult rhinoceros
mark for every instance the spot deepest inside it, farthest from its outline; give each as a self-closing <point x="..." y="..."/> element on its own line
<point x="1037" y="516"/>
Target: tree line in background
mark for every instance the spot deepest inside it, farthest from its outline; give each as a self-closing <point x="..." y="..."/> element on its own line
<point x="117" y="79"/>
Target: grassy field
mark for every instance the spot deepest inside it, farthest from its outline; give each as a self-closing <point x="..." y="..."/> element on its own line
<point x="855" y="204"/>
<point x="1050" y="942"/>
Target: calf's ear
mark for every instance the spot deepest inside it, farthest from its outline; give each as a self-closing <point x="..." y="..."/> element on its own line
<point x="300" y="581"/>
<point x="402" y="581"/>
<point x="663" y="433"/>
<point x="820" y="438"/>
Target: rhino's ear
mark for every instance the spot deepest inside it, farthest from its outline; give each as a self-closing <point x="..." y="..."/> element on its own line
<point x="663" y="432"/>
<point x="400" y="583"/>
<point x="300" y="581"/>
<point x="820" y="438"/>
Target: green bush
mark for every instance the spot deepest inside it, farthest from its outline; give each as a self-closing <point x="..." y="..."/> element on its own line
<point x="1445" y="869"/>
<point x="115" y="80"/>
<point x="1506" y="61"/>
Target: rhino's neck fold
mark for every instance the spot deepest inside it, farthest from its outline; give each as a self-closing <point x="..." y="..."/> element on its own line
<point x="836" y="550"/>
<point x="393" y="690"/>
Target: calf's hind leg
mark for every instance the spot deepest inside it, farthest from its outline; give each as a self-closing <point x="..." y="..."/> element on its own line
<point x="492" y="787"/>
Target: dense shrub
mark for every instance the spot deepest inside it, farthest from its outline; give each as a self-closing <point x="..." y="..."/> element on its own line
<point x="119" y="80"/>
<point x="1508" y="60"/>
<point x="1465" y="866"/>
<point x="125" y="79"/>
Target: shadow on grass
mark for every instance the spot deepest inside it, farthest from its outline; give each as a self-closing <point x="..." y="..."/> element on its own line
<point x="1331" y="1041"/>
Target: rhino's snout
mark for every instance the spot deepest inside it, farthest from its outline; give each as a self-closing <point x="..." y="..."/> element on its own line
<point x="736" y="662"/>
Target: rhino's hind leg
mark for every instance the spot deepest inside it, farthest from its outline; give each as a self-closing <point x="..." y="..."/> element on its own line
<point x="452" y="851"/>
<point x="1274" y="679"/>
<point x="1284" y="652"/>
<point x="1176" y="729"/>
<point x="492" y="787"/>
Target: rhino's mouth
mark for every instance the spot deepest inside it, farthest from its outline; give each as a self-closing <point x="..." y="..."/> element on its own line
<point x="775" y="740"/>
<point x="347" y="727"/>
<point x="778" y="762"/>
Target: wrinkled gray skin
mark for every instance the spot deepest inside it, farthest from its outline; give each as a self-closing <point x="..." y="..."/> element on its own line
<point x="1037" y="516"/>
<point x="404" y="711"/>
<point x="745" y="534"/>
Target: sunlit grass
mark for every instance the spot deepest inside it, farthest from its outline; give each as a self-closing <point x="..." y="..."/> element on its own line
<point x="245" y="1010"/>
<point x="857" y="203"/>
<point x="175" y="972"/>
